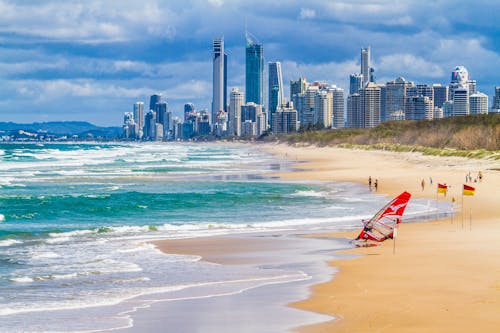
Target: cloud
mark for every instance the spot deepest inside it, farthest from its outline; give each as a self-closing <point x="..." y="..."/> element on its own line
<point x="216" y="3"/>
<point x="409" y="64"/>
<point x="307" y="13"/>
<point x="89" y="22"/>
<point x="43" y="91"/>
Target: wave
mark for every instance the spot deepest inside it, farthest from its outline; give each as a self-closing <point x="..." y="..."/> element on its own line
<point x="9" y="242"/>
<point x="2" y="218"/>
<point x="22" y="279"/>
<point x="308" y="194"/>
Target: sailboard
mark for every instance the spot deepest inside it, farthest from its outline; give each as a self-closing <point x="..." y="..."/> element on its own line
<point x="381" y="226"/>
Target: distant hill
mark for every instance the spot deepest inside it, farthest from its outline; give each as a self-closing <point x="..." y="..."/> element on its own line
<point x="80" y="128"/>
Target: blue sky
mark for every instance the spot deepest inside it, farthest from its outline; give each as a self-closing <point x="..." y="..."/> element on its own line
<point x="91" y="60"/>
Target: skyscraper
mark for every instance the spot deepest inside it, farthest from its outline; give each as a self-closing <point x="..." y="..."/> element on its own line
<point x="156" y="98"/>
<point x="419" y="108"/>
<point x="150" y="125"/>
<point x="139" y="119"/>
<point x="188" y="110"/>
<point x="478" y="103"/>
<point x="355" y="116"/>
<point x="297" y="87"/>
<point x="440" y="94"/>
<point x="338" y="107"/>
<point x="275" y="91"/>
<point x="395" y="97"/>
<point x="323" y="107"/>
<point x="496" y="101"/>
<point x="365" y="65"/>
<point x="254" y="65"/>
<point x="461" y="102"/>
<point x="355" y="83"/>
<point x="284" y="119"/>
<point x="219" y="78"/>
<point x="235" y="102"/>
<point x="160" y="109"/>
<point x="370" y="104"/>
<point x="460" y="79"/>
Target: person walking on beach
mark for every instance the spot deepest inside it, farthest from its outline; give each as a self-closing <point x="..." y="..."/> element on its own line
<point x="370" y="181"/>
<point x="376" y="184"/>
<point x="423" y="184"/>
<point x="430" y="181"/>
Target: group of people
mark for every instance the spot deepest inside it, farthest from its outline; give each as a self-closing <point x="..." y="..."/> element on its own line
<point x="479" y="177"/>
<point x="375" y="184"/>
<point x="423" y="183"/>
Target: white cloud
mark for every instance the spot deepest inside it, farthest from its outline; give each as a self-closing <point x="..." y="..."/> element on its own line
<point x="408" y="64"/>
<point x="91" y="21"/>
<point x="216" y="3"/>
<point x="307" y="13"/>
<point x="43" y="91"/>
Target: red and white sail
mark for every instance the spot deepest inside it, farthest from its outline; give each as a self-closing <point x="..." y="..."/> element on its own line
<point x="381" y="226"/>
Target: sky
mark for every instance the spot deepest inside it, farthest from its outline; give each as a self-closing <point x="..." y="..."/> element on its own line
<point x="91" y="60"/>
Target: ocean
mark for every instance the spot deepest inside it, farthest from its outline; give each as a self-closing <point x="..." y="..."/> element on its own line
<point x="75" y="219"/>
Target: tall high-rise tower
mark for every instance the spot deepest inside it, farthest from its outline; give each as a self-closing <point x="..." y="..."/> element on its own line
<point x="219" y="78"/>
<point x="254" y="64"/>
<point x="139" y="119"/>
<point x="395" y="98"/>
<point x="496" y="101"/>
<point x="153" y="100"/>
<point x="365" y="65"/>
<point x="275" y="92"/>
<point x="235" y="102"/>
<point x="355" y="83"/>
<point x="370" y="104"/>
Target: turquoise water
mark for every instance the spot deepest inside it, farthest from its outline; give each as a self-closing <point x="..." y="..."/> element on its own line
<point x="75" y="218"/>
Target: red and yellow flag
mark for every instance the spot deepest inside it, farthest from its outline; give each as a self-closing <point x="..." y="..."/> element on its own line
<point x="468" y="190"/>
<point x="442" y="188"/>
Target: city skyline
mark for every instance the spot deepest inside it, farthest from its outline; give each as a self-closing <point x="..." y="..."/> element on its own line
<point x="92" y="60"/>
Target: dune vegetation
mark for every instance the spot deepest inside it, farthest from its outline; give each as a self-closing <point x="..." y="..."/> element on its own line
<point x="476" y="136"/>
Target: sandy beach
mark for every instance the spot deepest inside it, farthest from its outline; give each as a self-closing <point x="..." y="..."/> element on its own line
<point x="444" y="275"/>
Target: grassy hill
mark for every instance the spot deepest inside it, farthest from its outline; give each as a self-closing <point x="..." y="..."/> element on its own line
<point x="472" y="136"/>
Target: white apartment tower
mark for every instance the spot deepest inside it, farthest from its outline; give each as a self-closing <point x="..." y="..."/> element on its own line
<point x="219" y="77"/>
<point x="370" y="104"/>
<point x="139" y="119"/>
<point x="323" y="107"/>
<point x="461" y="102"/>
<point x="365" y="65"/>
<point x="478" y="103"/>
<point x="236" y="99"/>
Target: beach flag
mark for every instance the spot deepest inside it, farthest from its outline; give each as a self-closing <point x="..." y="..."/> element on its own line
<point x="442" y="188"/>
<point x="468" y="190"/>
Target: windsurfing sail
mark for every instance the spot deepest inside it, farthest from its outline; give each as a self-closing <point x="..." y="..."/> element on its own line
<point x="381" y="226"/>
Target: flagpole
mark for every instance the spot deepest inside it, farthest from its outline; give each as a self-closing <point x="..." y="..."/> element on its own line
<point x="452" y="210"/>
<point x="437" y="198"/>
<point x="463" y="209"/>
<point x="470" y="219"/>
<point x="394" y="235"/>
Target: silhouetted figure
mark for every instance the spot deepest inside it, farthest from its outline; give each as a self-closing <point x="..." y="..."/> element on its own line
<point x="376" y="184"/>
<point x="370" y="181"/>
